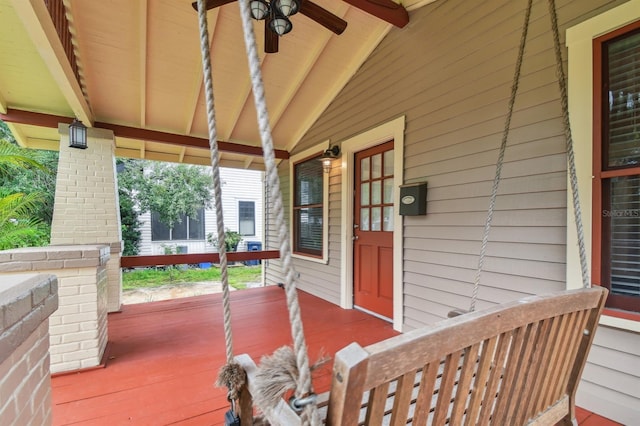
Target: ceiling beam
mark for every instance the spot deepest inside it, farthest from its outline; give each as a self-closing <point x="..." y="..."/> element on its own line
<point x="387" y="10"/>
<point x="48" y="120"/>
<point x="38" y="24"/>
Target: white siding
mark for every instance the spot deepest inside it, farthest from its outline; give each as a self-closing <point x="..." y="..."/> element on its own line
<point x="237" y="185"/>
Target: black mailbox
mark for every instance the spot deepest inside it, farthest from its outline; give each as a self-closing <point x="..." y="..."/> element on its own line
<point x="413" y="199"/>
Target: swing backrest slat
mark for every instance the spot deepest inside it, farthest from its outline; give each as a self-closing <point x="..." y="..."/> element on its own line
<point x="516" y="363"/>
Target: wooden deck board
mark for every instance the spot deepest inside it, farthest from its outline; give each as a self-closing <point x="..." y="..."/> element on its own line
<point x="164" y="356"/>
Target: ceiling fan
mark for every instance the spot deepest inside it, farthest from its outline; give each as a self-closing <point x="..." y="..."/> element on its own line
<point x="276" y="16"/>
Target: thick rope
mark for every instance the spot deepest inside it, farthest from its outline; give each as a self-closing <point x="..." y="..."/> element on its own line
<point x="500" y="162"/>
<point x="304" y="388"/>
<point x="217" y="193"/>
<point x="573" y="178"/>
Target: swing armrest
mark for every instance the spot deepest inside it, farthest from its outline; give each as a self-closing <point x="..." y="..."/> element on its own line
<point x="282" y="411"/>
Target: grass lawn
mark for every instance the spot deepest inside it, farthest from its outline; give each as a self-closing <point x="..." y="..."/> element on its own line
<point x="151" y="277"/>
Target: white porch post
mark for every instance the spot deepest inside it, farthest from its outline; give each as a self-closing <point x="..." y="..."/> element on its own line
<point x="86" y="209"/>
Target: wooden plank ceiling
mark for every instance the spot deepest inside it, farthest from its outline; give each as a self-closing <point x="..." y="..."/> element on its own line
<point x="140" y="68"/>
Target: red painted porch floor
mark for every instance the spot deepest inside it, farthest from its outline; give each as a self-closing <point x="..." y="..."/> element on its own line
<point x="164" y="357"/>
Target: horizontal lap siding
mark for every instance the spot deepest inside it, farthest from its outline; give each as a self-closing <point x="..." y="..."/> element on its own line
<point x="450" y="72"/>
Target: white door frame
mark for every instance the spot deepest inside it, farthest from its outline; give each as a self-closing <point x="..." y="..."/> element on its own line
<point x="393" y="129"/>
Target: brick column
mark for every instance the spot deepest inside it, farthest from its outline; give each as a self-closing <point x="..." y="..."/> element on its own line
<point x="86" y="209"/>
<point x="26" y="301"/>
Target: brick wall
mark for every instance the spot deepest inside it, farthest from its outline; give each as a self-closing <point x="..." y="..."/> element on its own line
<point x="86" y="209"/>
<point x="26" y="301"/>
<point x="78" y="329"/>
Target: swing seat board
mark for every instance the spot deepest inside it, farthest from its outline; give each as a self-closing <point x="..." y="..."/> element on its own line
<point x="517" y="363"/>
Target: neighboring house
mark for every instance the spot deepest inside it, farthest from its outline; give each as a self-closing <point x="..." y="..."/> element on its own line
<point x="242" y="204"/>
<point x="429" y="105"/>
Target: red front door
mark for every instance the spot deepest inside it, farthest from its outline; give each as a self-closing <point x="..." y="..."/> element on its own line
<point x="373" y="230"/>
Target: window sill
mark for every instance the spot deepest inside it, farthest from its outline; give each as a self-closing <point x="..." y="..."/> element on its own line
<point x="629" y="321"/>
<point x="310" y="258"/>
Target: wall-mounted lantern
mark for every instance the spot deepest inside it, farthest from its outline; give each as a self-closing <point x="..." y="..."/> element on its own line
<point x="328" y="156"/>
<point x="77" y="134"/>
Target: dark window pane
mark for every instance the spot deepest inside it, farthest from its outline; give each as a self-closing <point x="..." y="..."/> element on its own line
<point x="622" y="137"/>
<point x="179" y="230"/>
<point x="308" y="230"/>
<point x="247" y="217"/>
<point x="196" y="225"/>
<point x="159" y="231"/>
<point x="308" y="183"/>
<point x="625" y="235"/>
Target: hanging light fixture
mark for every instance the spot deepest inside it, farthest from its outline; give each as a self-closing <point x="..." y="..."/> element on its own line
<point x="328" y="156"/>
<point x="259" y="9"/>
<point x="280" y="24"/>
<point x="280" y="11"/>
<point x="77" y="134"/>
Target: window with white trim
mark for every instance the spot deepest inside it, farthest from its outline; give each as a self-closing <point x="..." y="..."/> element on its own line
<point x="616" y="166"/>
<point x="308" y="207"/>
<point x="247" y="217"/>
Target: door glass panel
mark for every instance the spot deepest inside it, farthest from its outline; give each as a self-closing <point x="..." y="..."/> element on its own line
<point x="364" y="194"/>
<point x="376" y="192"/>
<point x="364" y="219"/>
<point x="388" y="163"/>
<point x="387" y="220"/>
<point x="364" y="169"/>
<point x="388" y="191"/>
<point x="376" y="219"/>
<point x="376" y="166"/>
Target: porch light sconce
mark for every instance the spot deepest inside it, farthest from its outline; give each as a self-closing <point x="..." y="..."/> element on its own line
<point x="280" y="10"/>
<point x="77" y="134"/>
<point x="328" y="156"/>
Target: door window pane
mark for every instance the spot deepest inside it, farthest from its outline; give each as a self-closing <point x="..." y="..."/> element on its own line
<point x="376" y="219"/>
<point x="376" y="192"/>
<point x="388" y="163"/>
<point x="376" y="166"/>
<point x="364" y="169"/>
<point x="388" y="191"/>
<point x="364" y="219"/>
<point x="387" y="220"/>
<point x="364" y="194"/>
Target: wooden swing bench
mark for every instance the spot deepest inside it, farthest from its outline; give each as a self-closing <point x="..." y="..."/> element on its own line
<point x="512" y="364"/>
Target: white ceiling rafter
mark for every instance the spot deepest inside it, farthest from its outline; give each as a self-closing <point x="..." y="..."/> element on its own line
<point x="142" y="37"/>
<point x="198" y="81"/>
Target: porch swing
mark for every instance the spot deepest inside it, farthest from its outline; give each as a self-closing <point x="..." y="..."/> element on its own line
<point x="515" y="363"/>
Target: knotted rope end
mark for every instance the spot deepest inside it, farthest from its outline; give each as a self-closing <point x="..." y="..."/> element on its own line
<point x="233" y="377"/>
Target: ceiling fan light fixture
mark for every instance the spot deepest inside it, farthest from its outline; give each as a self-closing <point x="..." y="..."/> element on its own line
<point x="259" y="9"/>
<point x="287" y="7"/>
<point x="280" y="24"/>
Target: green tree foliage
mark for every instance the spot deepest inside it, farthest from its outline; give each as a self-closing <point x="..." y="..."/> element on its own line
<point x="170" y="190"/>
<point x="24" y="215"/>
<point x="129" y="215"/>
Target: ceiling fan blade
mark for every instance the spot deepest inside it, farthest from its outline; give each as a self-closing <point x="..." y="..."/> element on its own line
<point x="323" y="17"/>
<point x="211" y="4"/>
<point x="270" y="38"/>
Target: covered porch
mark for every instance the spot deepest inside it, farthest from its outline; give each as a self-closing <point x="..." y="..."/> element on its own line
<point x="164" y="357"/>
